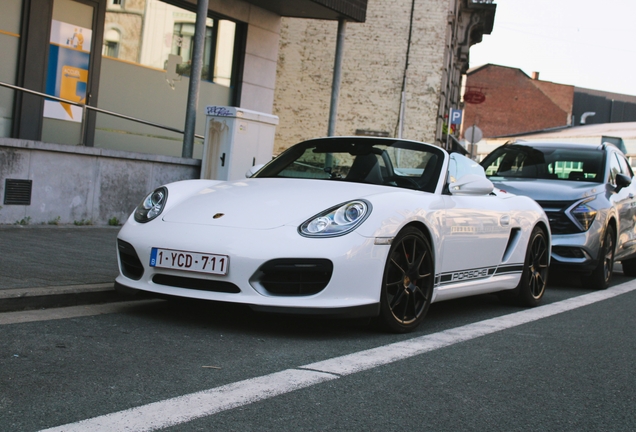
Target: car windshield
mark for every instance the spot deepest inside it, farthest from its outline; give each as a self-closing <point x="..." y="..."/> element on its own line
<point x="362" y="160"/>
<point x="570" y="164"/>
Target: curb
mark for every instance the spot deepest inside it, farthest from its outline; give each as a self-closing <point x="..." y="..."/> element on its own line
<point x="18" y="299"/>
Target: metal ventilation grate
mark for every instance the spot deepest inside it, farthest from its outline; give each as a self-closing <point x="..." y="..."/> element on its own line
<point x="17" y="192"/>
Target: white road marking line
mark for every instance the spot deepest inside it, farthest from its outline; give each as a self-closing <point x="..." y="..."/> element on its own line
<point x="182" y="409"/>
<point x="171" y="412"/>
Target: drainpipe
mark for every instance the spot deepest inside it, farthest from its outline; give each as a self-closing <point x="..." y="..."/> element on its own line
<point x="195" y="79"/>
<point x="405" y="75"/>
<point x="586" y="115"/>
<point x="335" y="86"/>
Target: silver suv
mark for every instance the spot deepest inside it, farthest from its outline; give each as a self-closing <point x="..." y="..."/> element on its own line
<point x="586" y="191"/>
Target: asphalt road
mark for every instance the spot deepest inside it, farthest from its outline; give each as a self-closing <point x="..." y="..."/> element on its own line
<point x="569" y="371"/>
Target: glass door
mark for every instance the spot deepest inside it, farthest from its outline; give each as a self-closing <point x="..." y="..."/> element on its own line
<point x="68" y="76"/>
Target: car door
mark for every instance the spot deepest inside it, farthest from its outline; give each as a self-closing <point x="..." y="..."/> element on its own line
<point x="475" y="234"/>
<point x="625" y="202"/>
<point x="475" y="230"/>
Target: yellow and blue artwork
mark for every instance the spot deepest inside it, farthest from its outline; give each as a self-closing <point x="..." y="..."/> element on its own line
<point x="67" y="76"/>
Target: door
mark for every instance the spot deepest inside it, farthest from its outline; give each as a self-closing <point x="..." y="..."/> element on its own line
<point x="625" y="202"/>
<point x="61" y="58"/>
<point x="475" y="237"/>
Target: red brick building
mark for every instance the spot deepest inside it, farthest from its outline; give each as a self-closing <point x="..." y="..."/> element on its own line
<point x="515" y="102"/>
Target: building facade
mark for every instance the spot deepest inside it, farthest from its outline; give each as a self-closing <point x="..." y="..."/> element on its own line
<point x="129" y="61"/>
<point x="401" y="71"/>
<point x="515" y="103"/>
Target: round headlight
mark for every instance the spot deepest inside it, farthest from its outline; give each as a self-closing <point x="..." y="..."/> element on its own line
<point x="152" y="205"/>
<point x="337" y="220"/>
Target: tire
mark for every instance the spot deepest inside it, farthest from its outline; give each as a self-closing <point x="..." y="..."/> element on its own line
<point x="602" y="274"/>
<point x="407" y="284"/>
<point x="534" y="277"/>
<point x="629" y="267"/>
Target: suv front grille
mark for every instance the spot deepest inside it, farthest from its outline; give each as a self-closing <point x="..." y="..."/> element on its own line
<point x="560" y="223"/>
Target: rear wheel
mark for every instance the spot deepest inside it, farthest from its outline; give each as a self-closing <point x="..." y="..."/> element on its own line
<point x="534" y="277"/>
<point x="407" y="285"/>
<point x="602" y="274"/>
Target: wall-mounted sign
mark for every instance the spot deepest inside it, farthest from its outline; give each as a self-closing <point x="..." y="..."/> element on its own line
<point x="67" y="76"/>
<point x="455" y="116"/>
<point x="474" y="97"/>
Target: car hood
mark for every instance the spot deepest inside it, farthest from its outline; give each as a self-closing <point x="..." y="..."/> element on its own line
<point x="550" y="190"/>
<point x="264" y="203"/>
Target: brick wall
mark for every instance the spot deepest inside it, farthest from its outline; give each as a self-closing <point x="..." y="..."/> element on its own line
<point x="373" y="66"/>
<point x="516" y="103"/>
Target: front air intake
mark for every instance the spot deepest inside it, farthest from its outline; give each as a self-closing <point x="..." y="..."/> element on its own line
<point x="295" y="276"/>
<point x="131" y="266"/>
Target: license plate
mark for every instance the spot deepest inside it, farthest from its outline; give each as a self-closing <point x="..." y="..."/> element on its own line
<point x="189" y="261"/>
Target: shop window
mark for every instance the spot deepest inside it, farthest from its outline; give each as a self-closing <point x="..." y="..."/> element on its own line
<point x="163" y="29"/>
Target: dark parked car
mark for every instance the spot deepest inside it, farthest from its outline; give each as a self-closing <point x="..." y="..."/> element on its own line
<point x="587" y="192"/>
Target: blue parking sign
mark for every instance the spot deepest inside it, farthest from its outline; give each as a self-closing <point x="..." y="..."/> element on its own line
<point x="455" y="116"/>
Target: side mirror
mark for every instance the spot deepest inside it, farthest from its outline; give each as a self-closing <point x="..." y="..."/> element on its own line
<point x="471" y="184"/>
<point x="253" y="170"/>
<point x="622" y="181"/>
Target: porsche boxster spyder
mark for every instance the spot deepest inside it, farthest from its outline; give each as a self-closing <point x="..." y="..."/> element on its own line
<point x="353" y="226"/>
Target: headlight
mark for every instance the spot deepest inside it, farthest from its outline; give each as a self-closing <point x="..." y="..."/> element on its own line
<point x="337" y="220"/>
<point x="583" y="214"/>
<point x="152" y="205"/>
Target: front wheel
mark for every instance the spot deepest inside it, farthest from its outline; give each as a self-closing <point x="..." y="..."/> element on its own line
<point x="407" y="285"/>
<point x="602" y="274"/>
<point x="534" y="277"/>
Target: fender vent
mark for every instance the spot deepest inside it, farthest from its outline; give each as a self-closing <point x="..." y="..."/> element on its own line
<point x="17" y="192"/>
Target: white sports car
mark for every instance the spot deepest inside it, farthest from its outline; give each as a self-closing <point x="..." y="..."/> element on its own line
<point x="342" y="225"/>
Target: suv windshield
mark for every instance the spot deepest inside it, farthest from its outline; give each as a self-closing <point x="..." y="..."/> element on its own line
<point x="519" y="161"/>
<point x="383" y="162"/>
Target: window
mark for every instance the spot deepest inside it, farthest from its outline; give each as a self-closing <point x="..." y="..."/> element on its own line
<point x="163" y="29"/>
<point x="183" y="45"/>
<point x="625" y="168"/>
<point x="112" y="38"/>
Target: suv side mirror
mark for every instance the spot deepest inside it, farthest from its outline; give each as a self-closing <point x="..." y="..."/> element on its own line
<point x="622" y="181"/>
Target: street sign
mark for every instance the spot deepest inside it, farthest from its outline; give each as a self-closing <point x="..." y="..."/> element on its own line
<point x="455" y="116"/>
<point x="473" y="134"/>
<point x="474" y="97"/>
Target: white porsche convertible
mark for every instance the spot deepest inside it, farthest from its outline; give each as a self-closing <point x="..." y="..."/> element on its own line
<point x="343" y="225"/>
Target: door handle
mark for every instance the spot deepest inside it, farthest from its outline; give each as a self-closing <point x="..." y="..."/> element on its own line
<point x="223" y="160"/>
<point x="504" y="220"/>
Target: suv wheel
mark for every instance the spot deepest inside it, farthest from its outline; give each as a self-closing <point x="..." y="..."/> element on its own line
<point x="602" y="274"/>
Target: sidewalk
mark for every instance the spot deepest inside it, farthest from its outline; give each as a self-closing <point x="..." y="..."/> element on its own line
<point x="44" y="266"/>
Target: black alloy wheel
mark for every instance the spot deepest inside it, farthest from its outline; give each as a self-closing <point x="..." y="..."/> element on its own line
<point x="407" y="285"/>
<point x="534" y="277"/>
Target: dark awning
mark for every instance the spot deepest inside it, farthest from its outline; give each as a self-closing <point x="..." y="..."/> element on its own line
<point x="351" y="10"/>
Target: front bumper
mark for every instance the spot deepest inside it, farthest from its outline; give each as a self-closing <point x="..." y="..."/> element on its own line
<point x="353" y="288"/>
<point x="576" y="252"/>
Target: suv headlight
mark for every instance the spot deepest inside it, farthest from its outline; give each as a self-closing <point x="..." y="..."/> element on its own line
<point x="583" y="214"/>
<point x="336" y="221"/>
<point x="152" y="205"/>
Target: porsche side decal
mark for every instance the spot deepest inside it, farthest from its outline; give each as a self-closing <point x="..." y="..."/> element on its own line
<point x="478" y="273"/>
